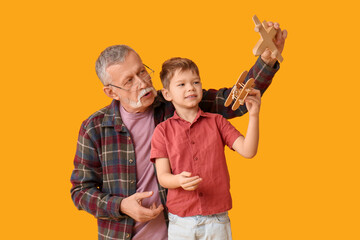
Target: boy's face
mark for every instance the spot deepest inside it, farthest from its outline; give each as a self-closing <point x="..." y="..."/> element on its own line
<point x="185" y="90"/>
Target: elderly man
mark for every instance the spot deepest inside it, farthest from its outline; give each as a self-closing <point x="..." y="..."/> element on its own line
<point x="113" y="178"/>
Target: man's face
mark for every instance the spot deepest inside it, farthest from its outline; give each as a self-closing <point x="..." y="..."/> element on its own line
<point x="137" y="93"/>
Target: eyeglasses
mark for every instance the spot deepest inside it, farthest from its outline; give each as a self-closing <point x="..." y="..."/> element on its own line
<point x="132" y="85"/>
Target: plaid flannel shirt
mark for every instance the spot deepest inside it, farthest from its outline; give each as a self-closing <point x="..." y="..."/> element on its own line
<point x="105" y="164"/>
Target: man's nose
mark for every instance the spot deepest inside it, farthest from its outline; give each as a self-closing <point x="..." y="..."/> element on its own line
<point x="141" y="82"/>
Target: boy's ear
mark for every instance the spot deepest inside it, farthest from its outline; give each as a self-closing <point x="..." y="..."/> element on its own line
<point x="110" y="93"/>
<point x="166" y="94"/>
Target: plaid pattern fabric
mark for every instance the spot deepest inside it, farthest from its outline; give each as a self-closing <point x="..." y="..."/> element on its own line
<point x="105" y="165"/>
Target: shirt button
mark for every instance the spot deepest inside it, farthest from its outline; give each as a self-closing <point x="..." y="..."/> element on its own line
<point x="129" y="138"/>
<point x="132" y="181"/>
<point x="195" y="158"/>
<point x="201" y="194"/>
<point x="131" y="161"/>
<point x="192" y="142"/>
<point x="127" y="235"/>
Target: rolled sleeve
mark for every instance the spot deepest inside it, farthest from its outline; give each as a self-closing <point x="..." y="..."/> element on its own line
<point x="228" y="131"/>
<point x="158" y="145"/>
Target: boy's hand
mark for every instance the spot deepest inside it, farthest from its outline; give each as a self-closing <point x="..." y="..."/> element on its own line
<point x="187" y="182"/>
<point x="279" y="43"/>
<point x="253" y="102"/>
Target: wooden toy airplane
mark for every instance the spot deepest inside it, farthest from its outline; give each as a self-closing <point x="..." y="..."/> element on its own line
<point x="240" y="91"/>
<point x="267" y="35"/>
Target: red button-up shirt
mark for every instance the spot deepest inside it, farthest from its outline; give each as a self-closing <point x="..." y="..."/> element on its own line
<point x="198" y="148"/>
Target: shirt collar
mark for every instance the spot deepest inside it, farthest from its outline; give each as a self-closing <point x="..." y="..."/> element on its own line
<point x="200" y="113"/>
<point x="112" y="117"/>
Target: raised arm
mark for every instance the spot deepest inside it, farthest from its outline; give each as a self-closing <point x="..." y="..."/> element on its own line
<point x="247" y="146"/>
<point x="263" y="72"/>
<point x="213" y="100"/>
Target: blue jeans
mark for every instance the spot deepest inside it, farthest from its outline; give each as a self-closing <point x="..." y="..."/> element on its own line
<point x="212" y="227"/>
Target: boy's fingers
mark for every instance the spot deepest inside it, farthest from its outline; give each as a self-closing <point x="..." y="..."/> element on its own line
<point x="190" y="179"/>
<point x="255" y="93"/>
<point x="192" y="183"/>
<point x="185" y="174"/>
<point x="252" y="100"/>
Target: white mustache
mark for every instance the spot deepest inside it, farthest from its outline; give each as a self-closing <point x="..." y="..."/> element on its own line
<point x="145" y="91"/>
<point x="141" y="94"/>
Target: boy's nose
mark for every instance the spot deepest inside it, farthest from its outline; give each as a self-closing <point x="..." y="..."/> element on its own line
<point x="190" y="87"/>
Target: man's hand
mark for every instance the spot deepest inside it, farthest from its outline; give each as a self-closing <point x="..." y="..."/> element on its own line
<point x="187" y="182"/>
<point x="132" y="207"/>
<point x="253" y="101"/>
<point x="279" y="43"/>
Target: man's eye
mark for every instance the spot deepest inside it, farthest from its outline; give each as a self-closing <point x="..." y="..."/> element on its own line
<point x="142" y="72"/>
<point x="129" y="81"/>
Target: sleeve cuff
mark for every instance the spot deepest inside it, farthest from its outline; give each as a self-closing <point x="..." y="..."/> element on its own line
<point x="269" y="69"/>
<point x="114" y="207"/>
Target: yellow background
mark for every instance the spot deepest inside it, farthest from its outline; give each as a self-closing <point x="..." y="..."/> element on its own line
<point x="304" y="182"/>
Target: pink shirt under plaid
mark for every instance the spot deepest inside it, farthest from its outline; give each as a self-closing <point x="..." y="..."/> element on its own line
<point x="198" y="148"/>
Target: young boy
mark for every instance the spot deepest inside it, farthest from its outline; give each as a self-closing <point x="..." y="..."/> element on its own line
<point x="188" y="150"/>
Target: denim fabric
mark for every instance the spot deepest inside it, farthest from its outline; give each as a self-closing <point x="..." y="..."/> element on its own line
<point x="211" y="227"/>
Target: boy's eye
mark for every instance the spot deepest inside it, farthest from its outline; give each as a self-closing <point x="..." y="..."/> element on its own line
<point x="180" y="84"/>
<point x="196" y="82"/>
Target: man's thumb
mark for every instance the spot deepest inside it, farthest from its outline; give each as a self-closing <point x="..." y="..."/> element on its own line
<point x="142" y="195"/>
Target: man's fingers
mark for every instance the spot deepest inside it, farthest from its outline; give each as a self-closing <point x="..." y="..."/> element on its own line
<point x="284" y="34"/>
<point x="147" y="214"/>
<point x="132" y="206"/>
<point x="141" y="195"/>
<point x="278" y="36"/>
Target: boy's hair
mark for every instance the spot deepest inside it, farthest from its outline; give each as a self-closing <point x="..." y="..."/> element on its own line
<point x="170" y="66"/>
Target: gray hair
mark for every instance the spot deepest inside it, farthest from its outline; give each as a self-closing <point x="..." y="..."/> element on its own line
<point x="111" y="55"/>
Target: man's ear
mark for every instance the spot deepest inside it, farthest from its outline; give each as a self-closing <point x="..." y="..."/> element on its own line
<point x="110" y="93"/>
<point x="166" y="94"/>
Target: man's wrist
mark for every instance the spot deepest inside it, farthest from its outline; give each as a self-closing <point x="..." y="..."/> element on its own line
<point x="270" y="62"/>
